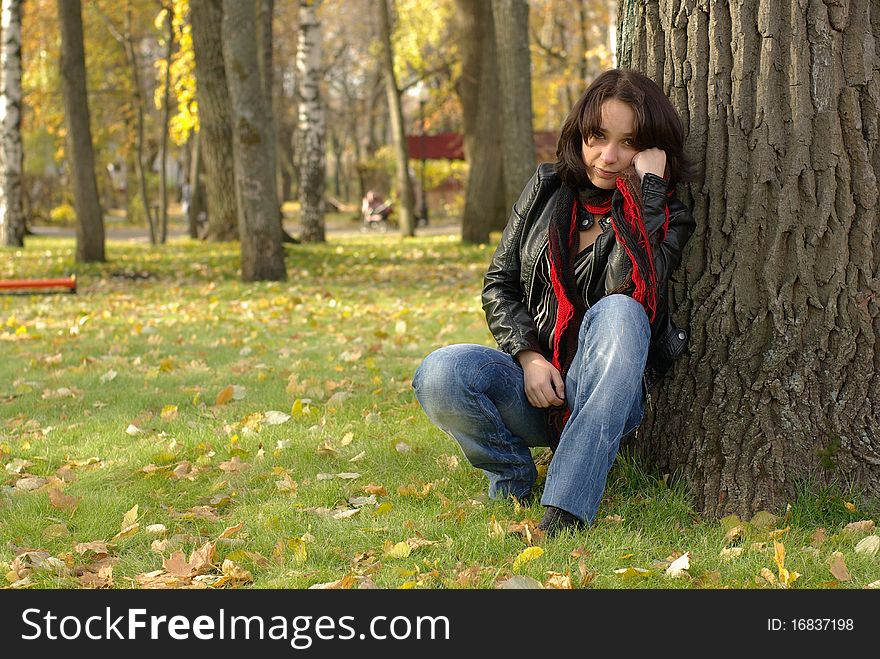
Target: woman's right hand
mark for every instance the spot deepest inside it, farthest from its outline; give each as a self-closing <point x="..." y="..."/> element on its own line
<point x="543" y="383"/>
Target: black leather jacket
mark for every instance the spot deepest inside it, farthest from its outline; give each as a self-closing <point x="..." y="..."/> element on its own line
<point x="511" y="291"/>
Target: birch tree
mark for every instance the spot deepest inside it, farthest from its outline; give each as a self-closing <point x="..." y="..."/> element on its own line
<point x="311" y="123"/>
<point x="12" y="224"/>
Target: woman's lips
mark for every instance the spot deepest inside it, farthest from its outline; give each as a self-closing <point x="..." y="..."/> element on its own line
<point x="606" y="174"/>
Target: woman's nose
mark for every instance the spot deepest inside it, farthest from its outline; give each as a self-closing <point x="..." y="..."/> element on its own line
<point x="609" y="154"/>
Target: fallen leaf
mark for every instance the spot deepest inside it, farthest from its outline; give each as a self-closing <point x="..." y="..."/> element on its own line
<point x="62" y="501"/>
<point x="864" y="526"/>
<point x="849" y="506"/>
<point x="286" y="484"/>
<point x="632" y="572"/>
<point x="558" y="580"/>
<point x="340" y="584"/>
<point x="398" y="550"/>
<point x="818" y="537"/>
<point x="358" y="502"/>
<point x="169" y="413"/>
<point x="30" y="483"/>
<point x="345" y="514"/>
<point x="133" y="430"/>
<point x="348" y="475"/>
<point x="837" y="565"/>
<point x="868" y="545"/>
<point x="729" y="553"/>
<point x="378" y="490"/>
<point x="97" y="547"/>
<point x="102" y="579"/>
<point x="234" y="465"/>
<point x="495" y="529"/>
<point x="224" y="396"/>
<point x="526" y="555"/>
<point x="768" y="576"/>
<point x="232" y="530"/>
<point x="519" y="582"/>
<point x="360" y="456"/>
<point x="679" y="566"/>
<point x="402" y="447"/>
<point x="199" y="561"/>
<point x="276" y="418"/>
<point x="873" y="584"/>
<point x="786" y="578"/>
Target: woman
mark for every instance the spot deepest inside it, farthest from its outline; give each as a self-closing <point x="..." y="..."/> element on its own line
<point x="576" y="297"/>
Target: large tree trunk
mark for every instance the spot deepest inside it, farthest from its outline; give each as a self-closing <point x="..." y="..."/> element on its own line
<point x="511" y="20"/>
<point x="262" y="254"/>
<point x="478" y="88"/>
<point x="215" y="119"/>
<point x="80" y="156"/>
<point x="779" y="284"/>
<point x="12" y="225"/>
<point x="196" y="187"/>
<point x="405" y="194"/>
<point x="312" y="123"/>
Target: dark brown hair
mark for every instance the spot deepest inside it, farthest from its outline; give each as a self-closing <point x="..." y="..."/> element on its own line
<point x="657" y="124"/>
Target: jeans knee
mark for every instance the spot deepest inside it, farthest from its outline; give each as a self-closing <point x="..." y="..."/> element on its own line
<point x="438" y="376"/>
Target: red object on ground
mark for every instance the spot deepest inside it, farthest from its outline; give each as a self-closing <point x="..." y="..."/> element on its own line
<point x="23" y="284"/>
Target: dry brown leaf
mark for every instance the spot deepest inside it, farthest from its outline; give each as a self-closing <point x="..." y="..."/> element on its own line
<point x="234" y="465"/>
<point x="863" y="526"/>
<point x="345" y="583"/>
<point x="378" y="490"/>
<point x="558" y="580"/>
<point x="62" y="501"/>
<point x="224" y="396"/>
<point x="232" y="530"/>
<point x="102" y="579"/>
<point x="97" y="547"/>
<point x="818" y="537"/>
<point x="199" y="562"/>
<point x="837" y="565"/>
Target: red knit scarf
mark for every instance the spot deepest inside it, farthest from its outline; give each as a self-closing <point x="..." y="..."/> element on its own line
<point x="630" y="232"/>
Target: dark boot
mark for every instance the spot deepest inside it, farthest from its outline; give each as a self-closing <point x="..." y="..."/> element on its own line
<point x="556" y="520"/>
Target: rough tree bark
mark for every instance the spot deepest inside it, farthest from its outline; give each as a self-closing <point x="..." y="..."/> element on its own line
<point x="80" y="155"/>
<point x="779" y="284"/>
<point x="311" y="123"/>
<point x="215" y="119"/>
<point x="12" y="225"/>
<point x="478" y="88"/>
<point x="196" y="187"/>
<point x="511" y="21"/>
<point x="262" y="254"/>
<point x="405" y="194"/>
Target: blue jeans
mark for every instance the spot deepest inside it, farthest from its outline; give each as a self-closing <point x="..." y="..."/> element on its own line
<point x="476" y="395"/>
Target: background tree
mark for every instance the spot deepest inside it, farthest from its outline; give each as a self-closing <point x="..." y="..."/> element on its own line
<point x="312" y="123"/>
<point x="12" y="225"/>
<point x="81" y="159"/>
<point x="478" y="87"/>
<point x="262" y="254"/>
<point x="406" y="197"/>
<point x="779" y="283"/>
<point x="215" y="118"/>
<point x="511" y="21"/>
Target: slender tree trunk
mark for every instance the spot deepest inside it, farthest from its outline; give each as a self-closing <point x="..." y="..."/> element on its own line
<point x="215" y="119"/>
<point x="138" y="101"/>
<point x="478" y="88"/>
<point x="779" y="283"/>
<point x="406" y="196"/>
<point x="166" y="114"/>
<point x="262" y="254"/>
<point x="80" y="156"/>
<point x="511" y="20"/>
<point x="312" y="123"/>
<point x="12" y="224"/>
<point x="196" y="187"/>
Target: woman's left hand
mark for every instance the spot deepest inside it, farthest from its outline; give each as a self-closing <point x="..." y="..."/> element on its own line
<point x="651" y="160"/>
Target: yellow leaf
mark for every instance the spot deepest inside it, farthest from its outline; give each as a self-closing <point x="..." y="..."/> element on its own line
<point x="528" y="554"/>
<point x="298" y="547"/>
<point x="399" y="550"/>
<point x="850" y="507"/>
<point x="384" y="508"/>
<point x="130" y="517"/>
<point x="224" y="396"/>
<point x="232" y="530"/>
<point x="297" y="408"/>
<point x="169" y="413"/>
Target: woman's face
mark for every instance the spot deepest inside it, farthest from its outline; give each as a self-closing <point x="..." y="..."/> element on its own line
<point x="611" y="150"/>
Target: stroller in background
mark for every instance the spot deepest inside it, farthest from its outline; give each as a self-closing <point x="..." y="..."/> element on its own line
<point x="376" y="217"/>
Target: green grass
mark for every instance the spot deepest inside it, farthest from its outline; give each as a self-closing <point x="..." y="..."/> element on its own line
<point x="356" y="315"/>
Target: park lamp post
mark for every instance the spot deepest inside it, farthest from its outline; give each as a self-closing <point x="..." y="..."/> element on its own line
<point x="421" y="93"/>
